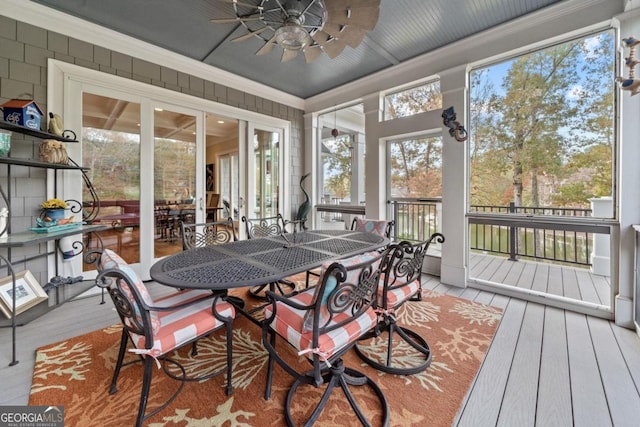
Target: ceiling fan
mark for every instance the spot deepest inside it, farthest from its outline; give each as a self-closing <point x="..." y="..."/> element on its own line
<point x="310" y="26"/>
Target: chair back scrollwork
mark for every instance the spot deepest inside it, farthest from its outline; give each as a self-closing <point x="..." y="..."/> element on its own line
<point x="264" y="227"/>
<point x="207" y="234"/>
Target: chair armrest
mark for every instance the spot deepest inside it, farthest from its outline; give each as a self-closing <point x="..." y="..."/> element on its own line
<point x="181" y="305"/>
<point x="273" y="298"/>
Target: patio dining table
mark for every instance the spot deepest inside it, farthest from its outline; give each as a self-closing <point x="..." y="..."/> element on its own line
<point x="259" y="261"/>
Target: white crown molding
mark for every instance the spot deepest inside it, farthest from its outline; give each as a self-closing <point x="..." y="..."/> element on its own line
<point x="461" y="52"/>
<point x="53" y="20"/>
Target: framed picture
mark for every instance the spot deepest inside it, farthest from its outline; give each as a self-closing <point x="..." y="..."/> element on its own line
<point x="28" y="293"/>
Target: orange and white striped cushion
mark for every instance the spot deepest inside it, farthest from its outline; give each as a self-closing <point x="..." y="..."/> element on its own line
<point x="400" y="294"/>
<point x="288" y="324"/>
<point x="183" y="325"/>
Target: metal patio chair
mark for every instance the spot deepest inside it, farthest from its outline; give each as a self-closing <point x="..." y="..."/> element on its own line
<point x="207" y="233"/>
<point x="322" y="324"/>
<point x="155" y="328"/>
<point x="400" y="284"/>
<point x="265" y="227"/>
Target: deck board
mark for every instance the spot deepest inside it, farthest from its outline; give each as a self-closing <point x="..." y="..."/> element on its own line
<point x="519" y="403"/>
<point x="570" y="286"/>
<point x="603" y="288"/>
<point x="574" y="283"/>
<point x="490" y="268"/>
<point x="541" y="278"/>
<point x="483" y="404"/>
<point x="587" y="287"/>
<point x="620" y="389"/>
<point x="514" y="276"/>
<point x="554" y="284"/>
<point x="590" y="405"/>
<point x="554" y="397"/>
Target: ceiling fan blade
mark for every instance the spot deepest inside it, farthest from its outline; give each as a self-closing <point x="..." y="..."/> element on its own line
<point x="288" y="55"/>
<point x="249" y="35"/>
<point x="237" y="19"/>
<point x="348" y="34"/>
<point x="239" y="3"/>
<point x="333" y="48"/>
<point x="321" y="37"/>
<point x="267" y="47"/>
<point x="362" y="17"/>
<point x="311" y="53"/>
<point x="341" y="4"/>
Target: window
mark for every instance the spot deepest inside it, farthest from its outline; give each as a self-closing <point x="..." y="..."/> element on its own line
<point x="408" y="102"/>
<point x="542" y="134"/>
<point x="416" y="167"/>
<point x="415" y="176"/>
<point x="342" y="155"/>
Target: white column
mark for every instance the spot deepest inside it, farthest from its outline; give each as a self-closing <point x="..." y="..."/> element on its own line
<point x="357" y="169"/>
<point x="454" y="182"/>
<point x="628" y="188"/>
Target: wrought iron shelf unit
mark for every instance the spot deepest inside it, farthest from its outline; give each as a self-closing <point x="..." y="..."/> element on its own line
<point x="37" y="164"/>
<point x="33" y="132"/>
<point x="27" y="238"/>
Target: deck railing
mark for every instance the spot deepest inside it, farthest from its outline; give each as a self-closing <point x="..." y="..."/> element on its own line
<point x="553" y="244"/>
<point x="416" y="219"/>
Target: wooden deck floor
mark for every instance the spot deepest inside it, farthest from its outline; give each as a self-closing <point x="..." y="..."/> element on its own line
<point x="546" y="366"/>
<point x="574" y="283"/>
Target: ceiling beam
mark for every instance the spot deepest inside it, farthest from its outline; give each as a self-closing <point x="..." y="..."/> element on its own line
<point x="115" y="114"/>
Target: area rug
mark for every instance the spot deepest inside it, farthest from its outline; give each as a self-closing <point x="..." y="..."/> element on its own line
<point x="77" y="373"/>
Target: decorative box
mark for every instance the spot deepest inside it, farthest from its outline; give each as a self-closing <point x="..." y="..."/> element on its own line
<point x="23" y="112"/>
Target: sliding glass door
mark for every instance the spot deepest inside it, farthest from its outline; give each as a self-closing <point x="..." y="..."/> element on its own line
<point x="175" y="168"/>
<point x="264" y="172"/>
<point x="148" y="151"/>
<point x="146" y="185"/>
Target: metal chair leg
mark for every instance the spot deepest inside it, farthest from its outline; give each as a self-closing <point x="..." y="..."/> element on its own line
<point x="116" y="372"/>
<point x="418" y="345"/>
<point x="342" y="377"/>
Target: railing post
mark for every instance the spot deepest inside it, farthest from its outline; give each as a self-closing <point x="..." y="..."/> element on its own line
<point x="513" y="236"/>
<point x="397" y="219"/>
<point x="602" y="207"/>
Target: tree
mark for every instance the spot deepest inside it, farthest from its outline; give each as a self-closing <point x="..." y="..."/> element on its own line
<point x="337" y="166"/>
<point x="426" y="97"/>
<point x="416" y="166"/>
<point x="549" y="123"/>
<point x="415" y="163"/>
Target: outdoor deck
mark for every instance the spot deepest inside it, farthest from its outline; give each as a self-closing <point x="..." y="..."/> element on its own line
<point x="546" y="366"/>
<point x="577" y="283"/>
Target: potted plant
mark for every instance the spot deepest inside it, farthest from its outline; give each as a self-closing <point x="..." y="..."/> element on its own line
<point x="54" y="209"/>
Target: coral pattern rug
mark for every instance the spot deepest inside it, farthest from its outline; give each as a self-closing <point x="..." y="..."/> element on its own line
<point x="77" y="373"/>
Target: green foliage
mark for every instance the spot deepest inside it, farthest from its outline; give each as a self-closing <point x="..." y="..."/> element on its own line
<point x="338" y="180"/>
<point x="416" y="167"/>
<point x="426" y="97"/>
<point x="114" y="162"/>
<point x="545" y="135"/>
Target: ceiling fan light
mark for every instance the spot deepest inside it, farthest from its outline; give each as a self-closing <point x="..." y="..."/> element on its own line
<point x="292" y="37"/>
